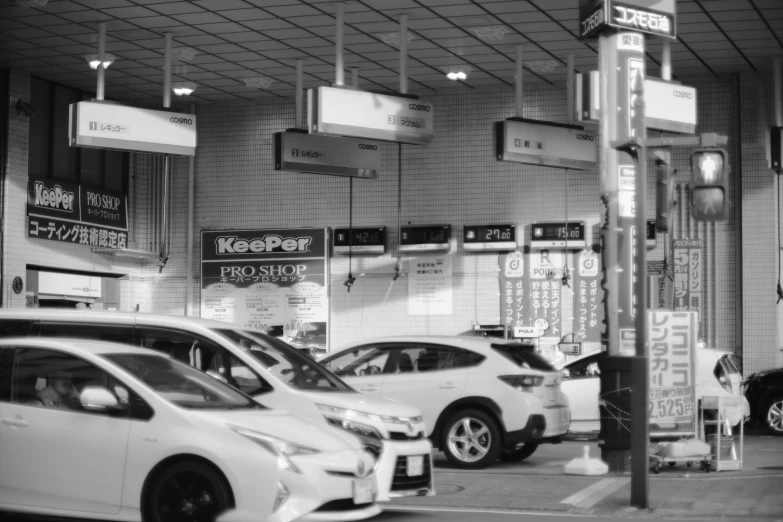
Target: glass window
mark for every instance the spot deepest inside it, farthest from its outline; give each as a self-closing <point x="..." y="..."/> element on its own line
<point x="63" y="158"/>
<point x="102" y="332"/>
<point x="54" y="380"/>
<point x="6" y="365"/>
<point x="288" y="364"/>
<point x="420" y="358"/>
<point x="14" y="327"/>
<point x="206" y="356"/>
<point x="181" y="384"/>
<point x="587" y="367"/>
<point x="523" y="355"/>
<point x="361" y="361"/>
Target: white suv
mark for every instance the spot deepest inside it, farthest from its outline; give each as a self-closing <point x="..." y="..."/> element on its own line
<point x="270" y="371"/>
<point x="482" y="399"/>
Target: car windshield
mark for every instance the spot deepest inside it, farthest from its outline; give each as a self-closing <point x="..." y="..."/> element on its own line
<point x="286" y="363"/>
<point x="182" y="385"/>
<point x="523" y="355"/>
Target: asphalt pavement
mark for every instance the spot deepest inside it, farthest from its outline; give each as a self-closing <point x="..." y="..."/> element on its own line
<point x="539" y="485"/>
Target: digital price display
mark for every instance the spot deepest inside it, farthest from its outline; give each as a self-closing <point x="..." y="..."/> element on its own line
<point x="652" y="235"/>
<point x="427" y="238"/>
<point x="359" y="240"/>
<point x="569" y="235"/>
<point x="490" y="237"/>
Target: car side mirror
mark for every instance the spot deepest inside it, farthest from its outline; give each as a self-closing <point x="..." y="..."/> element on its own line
<point x="216" y="375"/>
<point x="566" y="373"/>
<point x="97" y="398"/>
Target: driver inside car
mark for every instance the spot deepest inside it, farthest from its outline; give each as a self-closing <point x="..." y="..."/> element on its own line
<point x="59" y="392"/>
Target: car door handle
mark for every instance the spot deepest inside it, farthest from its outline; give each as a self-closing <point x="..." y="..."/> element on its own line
<point x="17" y="423"/>
<point x="447" y="386"/>
<point x="369" y="388"/>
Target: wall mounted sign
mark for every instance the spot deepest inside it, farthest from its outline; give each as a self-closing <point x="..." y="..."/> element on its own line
<point x="534" y="142"/>
<point x="107" y="125"/>
<point x="687" y="265"/>
<point x="71" y="213"/>
<point x="430" y="285"/>
<point x="656" y="17"/>
<point x="336" y="111"/>
<point x="314" y="154"/>
<point x="270" y="280"/>
<point x="359" y="240"/>
<point x="425" y="238"/>
<point x="490" y="237"/>
<point x="669" y="106"/>
<point x="558" y="235"/>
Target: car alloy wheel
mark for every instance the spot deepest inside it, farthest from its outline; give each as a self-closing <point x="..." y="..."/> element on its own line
<point x="775" y="416"/>
<point x="188" y="492"/>
<point x="472" y="439"/>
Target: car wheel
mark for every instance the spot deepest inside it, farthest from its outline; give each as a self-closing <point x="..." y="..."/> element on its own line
<point x="774" y="417"/>
<point x="471" y="439"/>
<point x="188" y="491"/>
<point x="519" y="453"/>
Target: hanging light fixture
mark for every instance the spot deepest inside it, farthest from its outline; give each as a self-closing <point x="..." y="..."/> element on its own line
<point x="94" y="62"/>
<point x="183" y="88"/>
<point x="457" y="72"/>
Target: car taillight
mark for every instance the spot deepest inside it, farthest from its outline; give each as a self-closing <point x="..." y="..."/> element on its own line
<point x="523" y="383"/>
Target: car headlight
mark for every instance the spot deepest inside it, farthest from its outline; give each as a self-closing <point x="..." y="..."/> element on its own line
<point x="278" y="447"/>
<point x="372" y="416"/>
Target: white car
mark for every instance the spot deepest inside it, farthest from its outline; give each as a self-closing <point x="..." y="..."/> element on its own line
<point x="717" y="374"/>
<point x="98" y="430"/>
<point x="482" y="399"/>
<point x="270" y="371"/>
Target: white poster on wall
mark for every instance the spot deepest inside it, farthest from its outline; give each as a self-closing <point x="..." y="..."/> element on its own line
<point x="430" y="285"/>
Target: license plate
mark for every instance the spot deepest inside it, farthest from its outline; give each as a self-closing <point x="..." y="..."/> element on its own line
<point x="362" y="491"/>
<point x="416" y="466"/>
<point x="552" y="395"/>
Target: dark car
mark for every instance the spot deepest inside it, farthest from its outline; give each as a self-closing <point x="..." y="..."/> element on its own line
<point x="764" y="391"/>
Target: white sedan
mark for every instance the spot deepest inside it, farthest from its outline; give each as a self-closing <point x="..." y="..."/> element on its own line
<point x="102" y="431"/>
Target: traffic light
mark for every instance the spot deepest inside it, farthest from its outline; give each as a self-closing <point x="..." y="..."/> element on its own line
<point x="709" y="184"/>
<point x="664" y="195"/>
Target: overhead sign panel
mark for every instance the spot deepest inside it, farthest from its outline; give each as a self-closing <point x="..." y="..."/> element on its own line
<point x="362" y="240"/>
<point x="315" y="154"/>
<point x="656" y="17"/>
<point x="669" y="106"/>
<point x="544" y="143"/>
<point x="335" y="111"/>
<point x="106" y="125"/>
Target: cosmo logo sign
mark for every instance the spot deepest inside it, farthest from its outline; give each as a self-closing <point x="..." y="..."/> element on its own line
<point x="656" y="17"/>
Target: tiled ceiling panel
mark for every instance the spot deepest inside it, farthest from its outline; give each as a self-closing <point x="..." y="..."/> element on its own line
<point x="237" y="39"/>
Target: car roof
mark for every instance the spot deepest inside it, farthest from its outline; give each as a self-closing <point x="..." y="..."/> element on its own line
<point x="101" y="316"/>
<point x="478" y="344"/>
<point x="75" y="346"/>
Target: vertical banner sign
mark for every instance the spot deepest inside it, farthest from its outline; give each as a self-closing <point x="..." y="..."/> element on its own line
<point x="588" y="311"/>
<point x="546" y="274"/>
<point x="672" y="402"/>
<point x="430" y="285"/>
<point x="658" y="286"/>
<point x="687" y="258"/>
<point x="513" y="287"/>
<point x="270" y="280"/>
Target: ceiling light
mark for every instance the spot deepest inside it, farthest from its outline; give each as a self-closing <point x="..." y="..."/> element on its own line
<point x="92" y="59"/>
<point x="183" y="88"/>
<point x="457" y="72"/>
<point x="184" y="54"/>
<point x="490" y="33"/>
<point x="542" y="66"/>
<point x="393" y="39"/>
<point x="259" y="82"/>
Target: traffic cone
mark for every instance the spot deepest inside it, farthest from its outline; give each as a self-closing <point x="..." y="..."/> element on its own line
<point x="585" y="465"/>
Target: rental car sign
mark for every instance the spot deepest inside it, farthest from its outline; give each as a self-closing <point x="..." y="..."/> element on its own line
<point x="657" y="17"/>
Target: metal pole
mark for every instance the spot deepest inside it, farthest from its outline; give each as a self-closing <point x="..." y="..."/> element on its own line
<point x="519" y="82"/>
<point x="777" y="83"/>
<point x="355" y="77"/>
<point x="100" y="90"/>
<point x="403" y="54"/>
<point x="666" y="60"/>
<point x="298" y="115"/>
<point x="570" y="90"/>
<point x="167" y="70"/>
<point x="189" y="255"/>
<point x="338" y="44"/>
